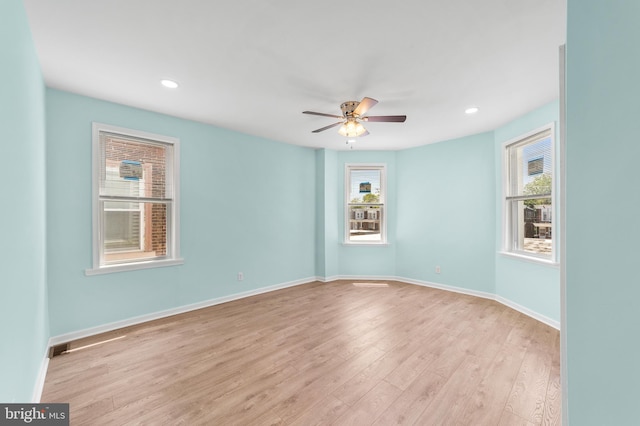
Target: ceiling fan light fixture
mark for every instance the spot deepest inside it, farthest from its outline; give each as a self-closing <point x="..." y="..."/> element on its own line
<point x="351" y="129"/>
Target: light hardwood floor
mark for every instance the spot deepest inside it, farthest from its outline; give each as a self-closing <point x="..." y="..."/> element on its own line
<point x="321" y="354"/>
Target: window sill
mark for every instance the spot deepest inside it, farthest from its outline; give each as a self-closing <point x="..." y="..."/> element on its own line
<point x="363" y="244"/>
<point x="531" y="259"/>
<point x="133" y="266"/>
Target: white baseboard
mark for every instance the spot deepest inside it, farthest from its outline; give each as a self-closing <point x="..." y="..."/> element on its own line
<point x="92" y="331"/>
<point x="476" y="293"/>
<point x="408" y="281"/>
<point x="328" y="279"/>
<point x="524" y="310"/>
<point x="485" y="295"/>
<point x="68" y="337"/>
<point x="42" y="375"/>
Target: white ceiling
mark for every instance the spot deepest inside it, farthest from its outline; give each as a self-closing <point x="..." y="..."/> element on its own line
<point x="255" y="65"/>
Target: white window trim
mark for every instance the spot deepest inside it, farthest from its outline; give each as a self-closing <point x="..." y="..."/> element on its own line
<point x="173" y="237"/>
<point x="383" y="190"/>
<point x="507" y="231"/>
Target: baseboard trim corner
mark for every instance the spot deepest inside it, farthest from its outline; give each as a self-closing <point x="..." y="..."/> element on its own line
<point x="327" y="279"/>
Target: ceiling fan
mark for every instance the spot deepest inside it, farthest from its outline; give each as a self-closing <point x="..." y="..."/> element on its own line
<point x="353" y="114"/>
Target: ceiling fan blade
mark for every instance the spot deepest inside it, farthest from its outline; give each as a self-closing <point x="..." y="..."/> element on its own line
<point x="322" y="114"/>
<point x="365" y="105"/>
<point x="322" y="129"/>
<point x="386" y="118"/>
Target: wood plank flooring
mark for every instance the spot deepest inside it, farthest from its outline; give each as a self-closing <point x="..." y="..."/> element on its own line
<point x="319" y="354"/>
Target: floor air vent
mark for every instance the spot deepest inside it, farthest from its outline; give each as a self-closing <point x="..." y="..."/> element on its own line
<point x="58" y="350"/>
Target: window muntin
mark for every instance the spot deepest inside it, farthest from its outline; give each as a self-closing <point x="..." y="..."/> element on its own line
<point x="365" y="204"/>
<point x="135" y="198"/>
<point x="529" y="195"/>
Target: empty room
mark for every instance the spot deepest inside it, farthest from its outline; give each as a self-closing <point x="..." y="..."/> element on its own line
<point x="257" y="213"/>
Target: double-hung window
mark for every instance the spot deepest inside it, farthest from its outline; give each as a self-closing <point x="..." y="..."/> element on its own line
<point x="135" y="200"/>
<point x="528" y="195"/>
<point x="365" y="216"/>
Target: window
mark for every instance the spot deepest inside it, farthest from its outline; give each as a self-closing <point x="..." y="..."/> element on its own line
<point x="365" y="197"/>
<point x="528" y="194"/>
<point x="135" y="200"/>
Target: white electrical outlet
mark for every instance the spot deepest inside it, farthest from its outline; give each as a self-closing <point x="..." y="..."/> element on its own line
<point x="240" y="276"/>
<point x="437" y="269"/>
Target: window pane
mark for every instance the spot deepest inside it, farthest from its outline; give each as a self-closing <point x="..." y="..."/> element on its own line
<point x="365" y="223"/>
<point x="365" y="186"/>
<point x="134" y="167"/>
<point x="121" y="230"/>
<point x="533" y="226"/>
<point x="134" y="233"/>
<point x="533" y="167"/>
<point x="115" y="185"/>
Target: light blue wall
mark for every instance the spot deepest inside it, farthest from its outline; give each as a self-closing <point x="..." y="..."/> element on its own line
<point x="247" y="205"/>
<point x="320" y="259"/>
<point x="603" y="250"/>
<point x="24" y="327"/>
<point x="532" y="285"/>
<point x="446" y="210"/>
<point x="367" y="260"/>
<point x="327" y="200"/>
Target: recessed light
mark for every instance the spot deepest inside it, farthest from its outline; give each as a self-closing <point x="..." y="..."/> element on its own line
<point x="471" y="110"/>
<point x="169" y="83"/>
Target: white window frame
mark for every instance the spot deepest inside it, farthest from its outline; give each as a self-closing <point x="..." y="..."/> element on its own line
<point x="172" y="256"/>
<point x="509" y="244"/>
<point x="383" y="196"/>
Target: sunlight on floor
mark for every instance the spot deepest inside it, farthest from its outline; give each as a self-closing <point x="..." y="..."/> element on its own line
<point x="371" y="284"/>
<point x="96" y="344"/>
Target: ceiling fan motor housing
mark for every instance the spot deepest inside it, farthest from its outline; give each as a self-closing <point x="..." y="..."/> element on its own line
<point x="348" y="108"/>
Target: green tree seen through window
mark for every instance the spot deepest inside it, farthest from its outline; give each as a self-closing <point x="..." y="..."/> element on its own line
<point x="538" y="186"/>
<point x="370" y="198"/>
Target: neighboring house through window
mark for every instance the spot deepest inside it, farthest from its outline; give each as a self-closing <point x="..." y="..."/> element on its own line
<point x="528" y="194"/>
<point x="135" y="200"/>
<point x="365" y="216"/>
